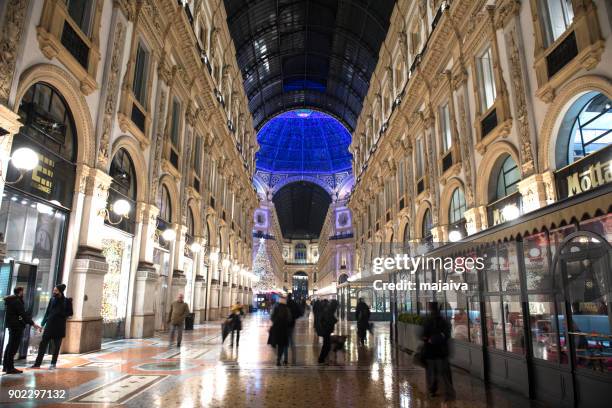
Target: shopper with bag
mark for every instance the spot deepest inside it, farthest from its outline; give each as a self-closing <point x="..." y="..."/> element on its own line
<point x="436" y="334"/>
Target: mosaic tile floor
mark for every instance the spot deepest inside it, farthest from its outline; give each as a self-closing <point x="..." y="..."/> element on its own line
<point x="205" y="373"/>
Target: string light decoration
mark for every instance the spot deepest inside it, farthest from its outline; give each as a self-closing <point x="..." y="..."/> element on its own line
<point x="265" y="280"/>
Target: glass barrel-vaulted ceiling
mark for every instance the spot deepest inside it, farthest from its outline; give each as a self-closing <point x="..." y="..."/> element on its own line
<point x="303" y="141"/>
<point x="316" y="54"/>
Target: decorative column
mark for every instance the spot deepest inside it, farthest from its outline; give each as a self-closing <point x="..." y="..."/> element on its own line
<point x="198" y="299"/>
<point x="86" y="280"/>
<point x="178" y="276"/>
<point x="476" y="219"/>
<point x="9" y="126"/>
<point x="537" y="191"/>
<point x="440" y="233"/>
<point x="143" y="320"/>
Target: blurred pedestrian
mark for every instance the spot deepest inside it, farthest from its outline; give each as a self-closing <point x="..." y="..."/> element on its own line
<point x="235" y="317"/>
<point x="327" y="324"/>
<point x="362" y="313"/>
<point x="296" y="313"/>
<point x="436" y="334"/>
<point x="279" y="332"/>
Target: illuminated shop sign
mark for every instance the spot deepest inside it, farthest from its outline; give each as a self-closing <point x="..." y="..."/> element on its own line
<point x="593" y="171"/>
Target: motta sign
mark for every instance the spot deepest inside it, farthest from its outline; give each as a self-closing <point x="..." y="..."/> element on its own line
<point x="595" y="176"/>
<point x="586" y="174"/>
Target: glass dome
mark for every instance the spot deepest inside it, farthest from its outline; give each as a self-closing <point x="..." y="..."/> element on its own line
<point x="304" y="141"/>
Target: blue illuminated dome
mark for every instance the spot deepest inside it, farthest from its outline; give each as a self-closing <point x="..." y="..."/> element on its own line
<point x="304" y="141"/>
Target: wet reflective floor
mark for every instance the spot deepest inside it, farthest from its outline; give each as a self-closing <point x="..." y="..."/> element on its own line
<point x="206" y="373"/>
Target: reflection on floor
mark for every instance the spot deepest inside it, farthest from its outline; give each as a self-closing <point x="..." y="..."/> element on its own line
<point x="206" y="373"/>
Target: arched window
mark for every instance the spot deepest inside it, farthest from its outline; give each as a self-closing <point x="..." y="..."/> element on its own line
<point x="592" y="128"/>
<point x="507" y="178"/>
<point x="300" y="252"/>
<point x="457" y="206"/>
<point x="165" y="206"/>
<point x="427" y="225"/>
<point x="49" y="130"/>
<point x="123" y="187"/>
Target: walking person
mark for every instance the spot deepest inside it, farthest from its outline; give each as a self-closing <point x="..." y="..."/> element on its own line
<point x="296" y="313"/>
<point x="16" y="319"/>
<point x="279" y="332"/>
<point x="436" y="333"/>
<point x="235" y="318"/>
<point x="362" y="313"/>
<point x="176" y="319"/>
<point x="327" y="323"/>
<point x="54" y="322"/>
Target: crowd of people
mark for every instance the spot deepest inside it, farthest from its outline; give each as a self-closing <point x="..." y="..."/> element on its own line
<point x="433" y="354"/>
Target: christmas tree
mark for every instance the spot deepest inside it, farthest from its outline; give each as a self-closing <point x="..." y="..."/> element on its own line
<point x="262" y="269"/>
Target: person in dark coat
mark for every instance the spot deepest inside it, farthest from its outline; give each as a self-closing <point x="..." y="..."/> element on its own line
<point x="296" y="313"/>
<point x="16" y="319"/>
<point x="235" y="318"/>
<point x="279" y="332"/>
<point x="327" y="323"/>
<point x="362" y="313"/>
<point x="54" y="322"/>
<point x="436" y="334"/>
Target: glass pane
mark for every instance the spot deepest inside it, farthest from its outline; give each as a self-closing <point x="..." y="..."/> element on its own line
<point x="474" y="318"/>
<point x="508" y="267"/>
<point x="457" y="312"/>
<point x="601" y="226"/>
<point x="588" y="290"/>
<point x="446" y="128"/>
<point x="537" y="270"/>
<point x="491" y="269"/>
<point x="487" y="80"/>
<point x="514" y="326"/>
<point x="493" y="311"/>
<point x="80" y="11"/>
<point x="140" y="75"/>
<point x="544" y="328"/>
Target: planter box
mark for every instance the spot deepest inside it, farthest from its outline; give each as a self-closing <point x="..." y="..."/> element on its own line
<point x="409" y="336"/>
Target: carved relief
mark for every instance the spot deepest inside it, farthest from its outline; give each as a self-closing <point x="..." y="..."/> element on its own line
<point x="112" y="91"/>
<point x="522" y="116"/>
<point x="12" y="29"/>
<point x="466" y="149"/>
<point x="159" y="141"/>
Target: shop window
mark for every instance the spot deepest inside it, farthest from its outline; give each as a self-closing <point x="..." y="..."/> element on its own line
<point x="557" y="16"/>
<point x="474" y="320"/>
<point x="494" y="322"/>
<point x="601" y="225"/>
<point x="141" y="74"/>
<point x="592" y="129"/>
<point x="123" y="186"/>
<point x="486" y="80"/>
<point x="513" y="324"/>
<point x="457" y="206"/>
<point x="490" y="272"/>
<point x="508" y="267"/>
<point x="49" y="130"/>
<point x="507" y="178"/>
<point x="537" y="269"/>
<point x="544" y="323"/>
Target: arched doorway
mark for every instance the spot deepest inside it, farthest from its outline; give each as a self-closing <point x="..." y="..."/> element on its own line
<point x="36" y="204"/>
<point x="582" y="273"/>
<point x="299" y="286"/>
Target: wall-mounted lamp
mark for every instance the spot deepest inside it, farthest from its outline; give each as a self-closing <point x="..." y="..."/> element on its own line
<point x="226" y="262"/>
<point x="120" y="208"/>
<point x="455" y="235"/>
<point x="195" y="247"/>
<point x="510" y="212"/>
<point x="23" y="159"/>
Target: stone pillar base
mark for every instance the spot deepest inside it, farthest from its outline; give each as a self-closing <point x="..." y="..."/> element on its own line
<point x="213" y="314"/>
<point x="198" y="316"/>
<point x="82" y="336"/>
<point x="143" y="326"/>
<point x="224" y="312"/>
